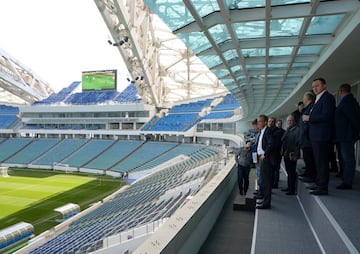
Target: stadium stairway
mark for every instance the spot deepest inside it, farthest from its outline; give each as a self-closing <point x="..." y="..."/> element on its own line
<point x="307" y="223"/>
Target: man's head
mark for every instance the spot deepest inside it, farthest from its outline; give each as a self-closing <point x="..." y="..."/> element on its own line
<point x="300" y="106"/>
<point x="308" y="98"/>
<point x="318" y="85"/>
<point x="262" y="121"/>
<point x="290" y="120"/>
<point x="254" y="125"/>
<point x="344" y="89"/>
<point x="271" y="122"/>
<point x="279" y="124"/>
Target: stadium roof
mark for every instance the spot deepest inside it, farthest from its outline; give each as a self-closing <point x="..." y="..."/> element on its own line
<point x="263" y="51"/>
<point x="18" y="83"/>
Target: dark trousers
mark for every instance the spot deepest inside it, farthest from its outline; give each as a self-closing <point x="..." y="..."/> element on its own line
<point x="308" y="156"/>
<point x="290" y="167"/>
<point x="243" y="179"/>
<point x="321" y="156"/>
<point x="276" y="174"/>
<point x="332" y="158"/>
<point x="266" y="177"/>
<point x="340" y="158"/>
<point x="348" y="161"/>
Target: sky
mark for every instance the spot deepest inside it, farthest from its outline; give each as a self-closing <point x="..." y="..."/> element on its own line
<point x="58" y="39"/>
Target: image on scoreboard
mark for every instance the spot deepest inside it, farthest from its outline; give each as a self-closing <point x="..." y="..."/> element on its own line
<point x="99" y="80"/>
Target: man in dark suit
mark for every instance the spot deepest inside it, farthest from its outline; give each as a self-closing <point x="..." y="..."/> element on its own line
<point x="321" y="128"/>
<point x="265" y="152"/>
<point x="277" y="134"/>
<point x="347" y="128"/>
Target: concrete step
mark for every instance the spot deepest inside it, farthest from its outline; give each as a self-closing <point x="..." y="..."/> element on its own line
<point x="246" y="202"/>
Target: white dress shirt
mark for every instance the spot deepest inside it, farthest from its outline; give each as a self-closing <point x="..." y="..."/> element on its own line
<point x="260" y="150"/>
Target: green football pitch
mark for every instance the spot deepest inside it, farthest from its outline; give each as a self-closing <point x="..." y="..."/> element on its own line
<point x="32" y="195"/>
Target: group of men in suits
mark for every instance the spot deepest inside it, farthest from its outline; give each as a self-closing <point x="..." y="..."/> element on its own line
<point x="326" y="124"/>
<point x="329" y="124"/>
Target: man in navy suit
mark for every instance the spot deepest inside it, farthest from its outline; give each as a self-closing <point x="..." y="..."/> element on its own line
<point x="265" y="152"/>
<point x="321" y="128"/>
<point x="347" y="128"/>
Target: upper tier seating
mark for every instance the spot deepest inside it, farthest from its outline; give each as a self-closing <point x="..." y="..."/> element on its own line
<point x="8" y="116"/>
<point x="219" y="115"/>
<point x="32" y="151"/>
<point x="229" y="103"/>
<point x="8" y="109"/>
<point x="175" y="122"/>
<point x="191" y="107"/>
<point x="91" y="97"/>
<point x="7" y="120"/>
<point x="150" y="123"/>
<point x="129" y="95"/>
<point x="60" y="96"/>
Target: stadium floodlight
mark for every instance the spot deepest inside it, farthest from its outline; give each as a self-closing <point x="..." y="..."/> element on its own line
<point x="119" y="43"/>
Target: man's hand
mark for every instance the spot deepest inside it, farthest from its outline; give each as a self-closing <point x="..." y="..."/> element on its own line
<point x="262" y="157"/>
<point x="305" y="118"/>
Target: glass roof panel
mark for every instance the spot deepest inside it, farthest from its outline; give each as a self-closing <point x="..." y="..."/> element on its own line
<point x="205" y="7"/>
<point x="221" y="72"/>
<point x="283" y="2"/>
<point x="173" y="12"/>
<point x="310" y="50"/>
<point x="285" y="27"/>
<point x="227" y="82"/>
<point x="255" y="66"/>
<point x="236" y="68"/>
<point x="253" y="52"/>
<point x="197" y="41"/>
<point x="236" y="4"/>
<point x="219" y="33"/>
<point x="302" y="65"/>
<point x="274" y="66"/>
<point x="211" y="60"/>
<point x="230" y="54"/>
<point x="324" y="24"/>
<point x="280" y="51"/>
<point x="248" y="30"/>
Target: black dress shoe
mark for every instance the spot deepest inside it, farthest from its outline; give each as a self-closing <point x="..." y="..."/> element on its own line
<point x="290" y="193"/>
<point x="344" y="186"/>
<point x="285" y="189"/>
<point x="259" y="202"/>
<point x="339" y="175"/>
<point x="312" y="187"/>
<point x="255" y="192"/>
<point x="319" y="192"/>
<point x="258" y="197"/>
<point x="263" y="207"/>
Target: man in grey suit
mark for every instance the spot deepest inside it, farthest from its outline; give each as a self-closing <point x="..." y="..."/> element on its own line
<point x="321" y="129"/>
